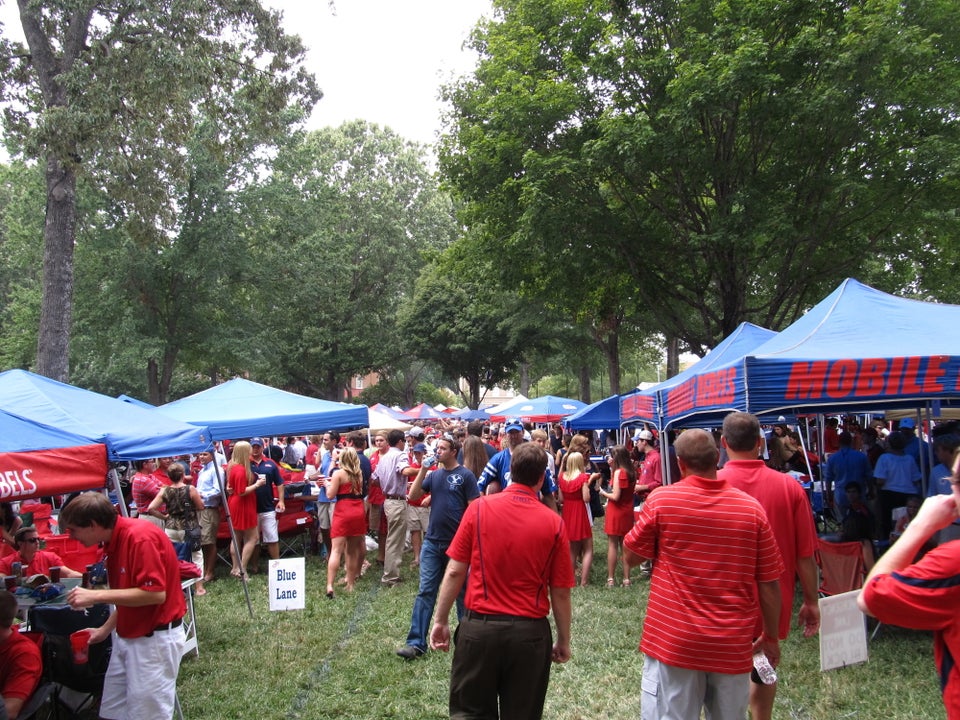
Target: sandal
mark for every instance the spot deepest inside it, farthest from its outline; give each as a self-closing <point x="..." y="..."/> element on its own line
<point x="610" y="582"/>
<point x="626" y="582"/>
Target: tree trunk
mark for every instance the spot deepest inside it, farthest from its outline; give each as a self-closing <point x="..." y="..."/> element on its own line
<point x="153" y="382"/>
<point x="673" y="356"/>
<point x="612" y="350"/>
<point x="473" y="382"/>
<point x="166" y="374"/>
<point x="59" y="238"/>
<point x="525" y="379"/>
<point x="585" y="384"/>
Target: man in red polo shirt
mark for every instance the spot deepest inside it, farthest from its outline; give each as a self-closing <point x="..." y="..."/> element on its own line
<point x="924" y="594"/>
<point x="144" y="585"/>
<point x="714" y="556"/>
<point x="788" y="511"/>
<point x="20" y="664"/>
<point x="34" y="560"/>
<point x="518" y="558"/>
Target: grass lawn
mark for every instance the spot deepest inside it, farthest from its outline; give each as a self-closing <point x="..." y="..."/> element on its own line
<point x="335" y="659"/>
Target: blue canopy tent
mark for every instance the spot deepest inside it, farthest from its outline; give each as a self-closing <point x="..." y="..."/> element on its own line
<point x="18" y="434"/>
<point x="129" y="432"/>
<point x="134" y="401"/>
<point x="543" y="409"/>
<point x="241" y="408"/>
<point x="859" y="348"/>
<point x="601" y="414"/>
<point x="650" y="405"/>
<point x="469" y="414"/>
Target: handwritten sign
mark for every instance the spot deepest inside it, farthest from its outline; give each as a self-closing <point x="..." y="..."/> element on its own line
<point x="286" y="586"/>
<point x="843" y="631"/>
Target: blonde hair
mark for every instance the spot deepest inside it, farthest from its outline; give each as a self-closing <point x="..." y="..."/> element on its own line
<point x="574" y="466"/>
<point x="350" y="464"/>
<point x="240" y="455"/>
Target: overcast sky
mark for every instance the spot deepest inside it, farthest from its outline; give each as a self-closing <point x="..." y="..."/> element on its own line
<point x="377" y="60"/>
<point x="384" y="60"/>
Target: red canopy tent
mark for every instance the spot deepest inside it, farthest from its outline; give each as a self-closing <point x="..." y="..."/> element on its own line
<point x="422" y="412"/>
<point x="38" y="460"/>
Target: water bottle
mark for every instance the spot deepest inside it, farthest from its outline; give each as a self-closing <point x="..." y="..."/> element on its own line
<point x="768" y="676"/>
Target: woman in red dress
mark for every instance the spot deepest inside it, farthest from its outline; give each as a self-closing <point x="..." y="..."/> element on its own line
<point x="241" y="486"/>
<point x="349" y="525"/>
<point x="618" y="519"/>
<point x="575" y="487"/>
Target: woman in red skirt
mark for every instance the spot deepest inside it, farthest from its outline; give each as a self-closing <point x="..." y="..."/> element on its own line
<point x="349" y="525"/>
<point x="618" y="519"/>
<point x="575" y="487"/>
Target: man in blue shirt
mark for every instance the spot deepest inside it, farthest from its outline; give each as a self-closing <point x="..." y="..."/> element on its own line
<point x="846" y="466"/>
<point x="452" y="487"/>
<point x="267" y="505"/>
<point x="496" y="475"/>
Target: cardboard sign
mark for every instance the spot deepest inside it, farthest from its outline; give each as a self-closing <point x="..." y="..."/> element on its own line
<point x="286" y="587"/>
<point x="843" y="631"/>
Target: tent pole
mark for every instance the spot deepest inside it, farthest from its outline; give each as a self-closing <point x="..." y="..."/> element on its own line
<point x="233" y="533"/>
<point x="115" y="478"/>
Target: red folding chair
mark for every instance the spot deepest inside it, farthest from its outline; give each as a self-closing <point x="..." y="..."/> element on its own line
<point x="842" y="569"/>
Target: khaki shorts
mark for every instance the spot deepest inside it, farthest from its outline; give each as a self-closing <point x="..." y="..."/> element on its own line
<point x="418" y="518"/>
<point x="209" y="524"/>
<point x="324" y="515"/>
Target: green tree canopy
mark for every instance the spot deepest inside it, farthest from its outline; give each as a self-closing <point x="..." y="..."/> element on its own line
<point x="113" y="92"/>
<point x="343" y="227"/>
<point x="735" y="159"/>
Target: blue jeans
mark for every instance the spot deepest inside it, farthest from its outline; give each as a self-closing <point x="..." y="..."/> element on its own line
<point x="433" y="563"/>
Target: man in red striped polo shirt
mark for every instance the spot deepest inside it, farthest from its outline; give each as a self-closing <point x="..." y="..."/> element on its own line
<point x="713" y="556"/>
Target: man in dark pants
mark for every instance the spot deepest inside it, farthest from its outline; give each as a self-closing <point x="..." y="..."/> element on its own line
<point x="519" y="564"/>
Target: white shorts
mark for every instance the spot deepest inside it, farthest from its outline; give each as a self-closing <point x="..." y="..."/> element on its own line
<point x="141" y="680"/>
<point x="267" y="522"/>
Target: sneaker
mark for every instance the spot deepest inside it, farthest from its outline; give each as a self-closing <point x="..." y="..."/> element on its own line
<point x="409" y="652"/>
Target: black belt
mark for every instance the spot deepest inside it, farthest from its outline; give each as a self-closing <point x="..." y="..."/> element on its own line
<point x="166" y="626"/>
<point x="351" y="496"/>
<point x="395" y="497"/>
<point x="471" y="615"/>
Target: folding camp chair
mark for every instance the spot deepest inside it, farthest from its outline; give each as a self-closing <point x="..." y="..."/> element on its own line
<point x="842" y="568"/>
<point x="76" y="688"/>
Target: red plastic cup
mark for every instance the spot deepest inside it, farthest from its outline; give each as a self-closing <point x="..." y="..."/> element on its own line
<point x="55" y="573"/>
<point x="80" y="644"/>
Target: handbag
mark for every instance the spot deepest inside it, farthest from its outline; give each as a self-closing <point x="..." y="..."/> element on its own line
<point x="191" y="537"/>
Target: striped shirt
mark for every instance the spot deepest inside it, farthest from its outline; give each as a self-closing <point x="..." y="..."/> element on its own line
<point x="711" y="544"/>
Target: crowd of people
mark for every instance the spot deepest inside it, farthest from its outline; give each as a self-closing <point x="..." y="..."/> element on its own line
<point x="500" y="521"/>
